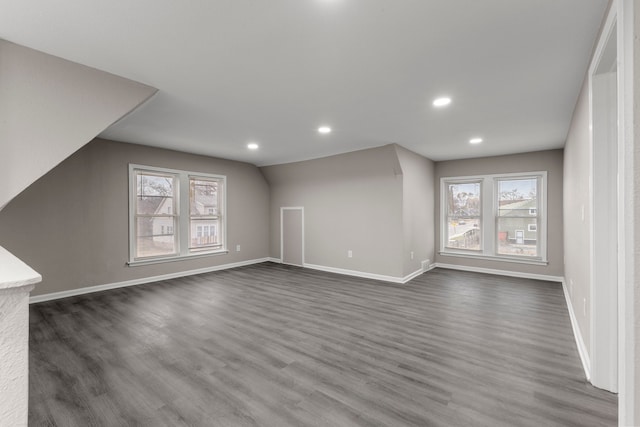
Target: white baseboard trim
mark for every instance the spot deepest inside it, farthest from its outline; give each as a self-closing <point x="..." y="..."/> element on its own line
<point x="355" y="273"/>
<point x="365" y="275"/>
<point x="143" y="280"/>
<point x="582" y="348"/>
<point x="413" y="275"/>
<point x="276" y="260"/>
<point x="500" y="272"/>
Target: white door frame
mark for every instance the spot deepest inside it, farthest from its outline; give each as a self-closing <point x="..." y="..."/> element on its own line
<point x="627" y="381"/>
<point x="282" y="209"/>
<point x="605" y="237"/>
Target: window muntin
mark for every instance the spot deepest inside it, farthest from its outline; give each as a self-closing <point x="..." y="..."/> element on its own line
<point x="464" y="208"/>
<point x="517" y="214"/>
<point x="175" y="214"/>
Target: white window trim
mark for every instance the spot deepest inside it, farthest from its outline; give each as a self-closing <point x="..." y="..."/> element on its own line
<point x="182" y="226"/>
<point x="488" y="237"/>
<point x="445" y="236"/>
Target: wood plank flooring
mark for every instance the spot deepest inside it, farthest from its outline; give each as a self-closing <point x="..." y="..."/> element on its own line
<point x="273" y="345"/>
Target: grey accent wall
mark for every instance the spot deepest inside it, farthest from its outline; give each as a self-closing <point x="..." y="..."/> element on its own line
<point x="72" y="224"/>
<point x="550" y="161"/>
<point x="577" y="214"/>
<point x="51" y="107"/>
<point x="352" y="201"/>
<point x="418" y="204"/>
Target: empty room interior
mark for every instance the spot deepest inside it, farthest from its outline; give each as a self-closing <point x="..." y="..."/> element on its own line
<point x="319" y="213"/>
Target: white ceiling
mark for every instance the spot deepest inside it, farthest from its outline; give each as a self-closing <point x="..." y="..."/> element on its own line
<point x="234" y="71"/>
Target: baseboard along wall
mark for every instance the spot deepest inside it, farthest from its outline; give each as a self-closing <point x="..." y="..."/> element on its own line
<point x="141" y="281"/>
<point x="582" y="348"/>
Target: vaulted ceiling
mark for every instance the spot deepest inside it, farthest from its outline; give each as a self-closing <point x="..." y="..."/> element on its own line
<point x="230" y="72"/>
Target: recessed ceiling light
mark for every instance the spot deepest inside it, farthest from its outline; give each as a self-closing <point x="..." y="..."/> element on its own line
<point x="475" y="140"/>
<point x="324" y="130"/>
<point x="252" y="146"/>
<point x="441" y="102"/>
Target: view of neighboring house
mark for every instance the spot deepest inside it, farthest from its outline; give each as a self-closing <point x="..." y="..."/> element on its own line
<point x="518" y="227"/>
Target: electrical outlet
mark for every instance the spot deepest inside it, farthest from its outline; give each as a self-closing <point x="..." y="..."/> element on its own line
<point x="349" y="253"/>
<point x="237" y="248"/>
<point x="411" y="254"/>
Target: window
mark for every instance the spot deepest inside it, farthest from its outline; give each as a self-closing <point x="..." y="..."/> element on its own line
<point x="517" y="209"/>
<point x="174" y="214"/>
<point x="463" y="229"/>
<point x="495" y="216"/>
<point x="154" y="192"/>
<point x="205" y="198"/>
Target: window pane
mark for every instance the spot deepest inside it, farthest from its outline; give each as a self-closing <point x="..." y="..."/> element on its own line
<point x="464" y="200"/>
<point x="154" y="205"/>
<point x="205" y="233"/>
<point x="204" y="197"/>
<point x="154" y="226"/>
<point x="155" y="246"/>
<point x="155" y="237"/>
<point x="518" y="197"/>
<point x="464" y="233"/>
<point x="517" y="236"/>
<point x="464" y="210"/>
<point x="154" y="184"/>
<point x="154" y="194"/>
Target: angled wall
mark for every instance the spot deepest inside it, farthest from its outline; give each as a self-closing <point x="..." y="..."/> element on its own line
<point x="418" y="204"/>
<point x="352" y="201"/>
<point x="72" y="225"/>
<point x="51" y="107"/>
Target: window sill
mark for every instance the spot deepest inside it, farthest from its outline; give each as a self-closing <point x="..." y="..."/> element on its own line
<point x="531" y="261"/>
<point x="162" y="260"/>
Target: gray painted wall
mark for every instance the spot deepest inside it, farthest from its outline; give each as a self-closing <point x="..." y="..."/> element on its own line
<point x="577" y="230"/>
<point x="418" y="204"/>
<point x="51" y="107"/>
<point x="72" y="224"/>
<point x="550" y="161"/>
<point x="352" y="201"/>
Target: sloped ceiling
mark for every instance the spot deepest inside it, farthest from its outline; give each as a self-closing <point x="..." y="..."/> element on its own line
<point x="234" y="71"/>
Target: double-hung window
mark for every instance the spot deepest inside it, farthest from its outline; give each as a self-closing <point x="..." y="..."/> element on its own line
<point x="495" y="216"/>
<point x="517" y="216"/>
<point x="205" y="219"/>
<point x="174" y="214"/>
<point x="463" y="215"/>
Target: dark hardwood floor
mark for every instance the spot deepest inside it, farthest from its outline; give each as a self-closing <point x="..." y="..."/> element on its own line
<point x="273" y="345"/>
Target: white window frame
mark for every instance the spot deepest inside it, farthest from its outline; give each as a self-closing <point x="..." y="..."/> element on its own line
<point x="445" y="227"/>
<point x="489" y="202"/>
<point x="181" y="197"/>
